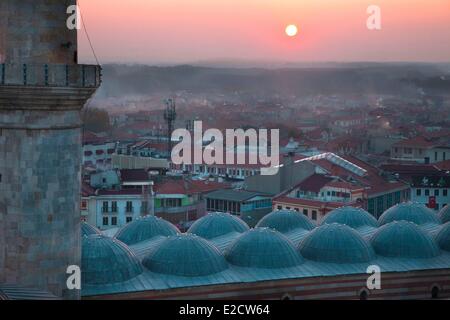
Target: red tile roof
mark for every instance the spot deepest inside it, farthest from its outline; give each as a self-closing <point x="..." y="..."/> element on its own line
<point x="416" y="142"/>
<point x="314" y="183"/>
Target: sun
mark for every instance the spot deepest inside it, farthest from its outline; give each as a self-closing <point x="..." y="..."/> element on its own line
<point x="291" y="30"/>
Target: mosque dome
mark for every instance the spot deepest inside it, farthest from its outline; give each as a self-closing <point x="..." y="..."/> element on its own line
<point x="144" y="229"/>
<point x="443" y="237"/>
<point x="403" y="239"/>
<point x="444" y="214"/>
<point x="335" y="243"/>
<point x="185" y="255"/>
<point x="286" y="220"/>
<point x="217" y="224"/>
<point x="263" y="248"/>
<point x="106" y="260"/>
<point x="87" y="229"/>
<point x="409" y="211"/>
<point x="350" y="216"/>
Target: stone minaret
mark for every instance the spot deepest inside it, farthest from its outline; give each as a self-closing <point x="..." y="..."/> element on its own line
<point x="42" y="92"/>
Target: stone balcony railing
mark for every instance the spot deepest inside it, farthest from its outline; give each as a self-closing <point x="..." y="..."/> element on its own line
<point x="50" y="75"/>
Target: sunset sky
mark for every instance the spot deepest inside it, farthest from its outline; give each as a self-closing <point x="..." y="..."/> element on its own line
<point x="190" y="31"/>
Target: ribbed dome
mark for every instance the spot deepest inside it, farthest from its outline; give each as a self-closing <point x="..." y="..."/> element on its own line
<point x="263" y="248"/>
<point x="410" y="211"/>
<point x="403" y="239"/>
<point x="443" y="237"/>
<point x="106" y="260"/>
<point x="336" y="243"/>
<point x="217" y="224"/>
<point x="145" y="228"/>
<point x="444" y="214"/>
<point x="285" y="221"/>
<point x="87" y="229"/>
<point x="185" y="255"/>
<point x="350" y="216"/>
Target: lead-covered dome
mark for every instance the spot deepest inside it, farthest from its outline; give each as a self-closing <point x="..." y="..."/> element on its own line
<point x="263" y="248"/>
<point x="217" y="224"/>
<point x="87" y="229"/>
<point x="335" y="243"/>
<point x="409" y="211"/>
<point x="444" y="214"/>
<point x="185" y="255"/>
<point x="350" y="216"/>
<point x="403" y="239"/>
<point x="106" y="260"/>
<point x="443" y="237"/>
<point x="144" y="229"/>
<point x="285" y="221"/>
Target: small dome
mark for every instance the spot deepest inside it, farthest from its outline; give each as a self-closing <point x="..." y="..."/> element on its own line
<point x="263" y="248"/>
<point x="87" y="229"/>
<point x="444" y="214"/>
<point x="335" y="243"/>
<point x="217" y="224"/>
<point x="285" y="221"/>
<point x="403" y="239"/>
<point x="351" y="216"/>
<point x="185" y="255"/>
<point x="443" y="237"/>
<point x="106" y="260"/>
<point x="409" y="211"/>
<point x="144" y="229"/>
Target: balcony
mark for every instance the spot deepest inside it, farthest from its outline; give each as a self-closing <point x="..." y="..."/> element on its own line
<point x="50" y="75"/>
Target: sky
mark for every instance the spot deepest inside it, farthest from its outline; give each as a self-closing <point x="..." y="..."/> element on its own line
<point x="196" y="31"/>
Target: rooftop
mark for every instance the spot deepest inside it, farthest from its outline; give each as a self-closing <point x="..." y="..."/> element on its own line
<point x="263" y="254"/>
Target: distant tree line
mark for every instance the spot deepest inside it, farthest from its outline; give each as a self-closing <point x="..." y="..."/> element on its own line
<point x="96" y="120"/>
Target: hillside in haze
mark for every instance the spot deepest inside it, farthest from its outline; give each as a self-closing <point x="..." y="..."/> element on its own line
<point x="120" y="80"/>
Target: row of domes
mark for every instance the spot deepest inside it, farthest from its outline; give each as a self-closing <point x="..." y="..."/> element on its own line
<point x="107" y="260"/>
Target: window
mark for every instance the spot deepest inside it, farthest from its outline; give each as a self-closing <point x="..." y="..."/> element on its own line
<point x="445" y="192"/>
<point x="279" y="207"/>
<point x="314" y="215"/>
<point x="436" y="156"/>
<point x="114" y="206"/>
<point x="419" y="192"/>
<point x="114" y="221"/>
<point x="435" y="293"/>
<point x="288" y="208"/>
<point x="128" y="219"/>
<point x="105" y="221"/>
<point x="129" y="206"/>
<point x="105" y="206"/>
<point x="408" y="150"/>
<point x="363" y="295"/>
<point x="296" y="209"/>
<point x="436" y="192"/>
<point x="427" y="192"/>
<point x="144" y="207"/>
<point x="305" y="212"/>
<point x="84" y="205"/>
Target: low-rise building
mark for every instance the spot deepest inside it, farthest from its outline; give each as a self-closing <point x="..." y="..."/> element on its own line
<point x="342" y="181"/>
<point x="248" y="205"/>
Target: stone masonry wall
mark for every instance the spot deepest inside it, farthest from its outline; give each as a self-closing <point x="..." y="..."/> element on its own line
<point x="39" y="201"/>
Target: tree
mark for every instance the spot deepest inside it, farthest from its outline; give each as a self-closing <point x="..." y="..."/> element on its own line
<point x="96" y="120"/>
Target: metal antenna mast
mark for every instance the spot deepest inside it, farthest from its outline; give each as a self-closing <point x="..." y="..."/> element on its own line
<point x="170" y="115"/>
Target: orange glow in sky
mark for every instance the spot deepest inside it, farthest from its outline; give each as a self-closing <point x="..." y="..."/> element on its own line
<point x="189" y="31"/>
